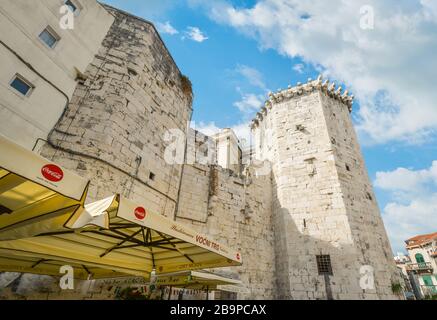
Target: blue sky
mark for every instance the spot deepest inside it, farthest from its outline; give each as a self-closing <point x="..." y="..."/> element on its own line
<point x="234" y="52"/>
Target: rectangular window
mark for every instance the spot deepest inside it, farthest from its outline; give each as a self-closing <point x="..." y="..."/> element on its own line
<point x="70" y="5"/>
<point x="21" y="85"/>
<point x="324" y="264"/>
<point x="49" y="37"/>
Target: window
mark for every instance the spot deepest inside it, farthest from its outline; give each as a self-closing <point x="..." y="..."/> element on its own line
<point x="324" y="264"/>
<point x="152" y="176"/>
<point x="427" y="280"/>
<point x="132" y="72"/>
<point x="21" y="85"/>
<point x="71" y="5"/>
<point x="49" y="37"/>
<point x="419" y="258"/>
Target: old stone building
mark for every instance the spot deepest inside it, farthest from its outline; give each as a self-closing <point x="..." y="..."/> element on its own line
<point x="303" y="213"/>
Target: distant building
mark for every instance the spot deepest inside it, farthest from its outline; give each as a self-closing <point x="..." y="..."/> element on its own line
<point x="422" y="251"/>
<point x="402" y="261"/>
<point x="229" y="153"/>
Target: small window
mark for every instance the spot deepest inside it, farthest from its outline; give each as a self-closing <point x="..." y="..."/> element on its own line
<point x="21" y="85"/>
<point x="132" y="72"/>
<point x="348" y="168"/>
<point x="49" y="37"/>
<point x="324" y="264"/>
<point x="152" y="176"/>
<point x="71" y="5"/>
<point x="419" y="258"/>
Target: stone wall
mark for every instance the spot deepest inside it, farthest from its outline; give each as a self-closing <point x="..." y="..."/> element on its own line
<point x="240" y="215"/>
<point x="113" y="133"/>
<point x="367" y="227"/>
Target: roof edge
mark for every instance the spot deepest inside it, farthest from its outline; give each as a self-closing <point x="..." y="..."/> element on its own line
<point x="106" y="6"/>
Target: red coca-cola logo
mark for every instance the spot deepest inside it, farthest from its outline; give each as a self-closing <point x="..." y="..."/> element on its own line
<point x="140" y="213"/>
<point x="52" y="172"/>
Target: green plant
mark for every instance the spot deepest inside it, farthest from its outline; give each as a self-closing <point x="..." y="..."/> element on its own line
<point x="396" y="288"/>
<point x="431" y="297"/>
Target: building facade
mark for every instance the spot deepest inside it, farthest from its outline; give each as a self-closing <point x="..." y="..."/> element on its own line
<point x="40" y="59"/>
<point x="422" y="251"/>
<point x="303" y="213"/>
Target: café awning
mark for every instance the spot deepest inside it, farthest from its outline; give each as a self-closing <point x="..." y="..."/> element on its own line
<point x="34" y="265"/>
<point x="118" y="234"/>
<point x="35" y="193"/>
<point x="194" y="280"/>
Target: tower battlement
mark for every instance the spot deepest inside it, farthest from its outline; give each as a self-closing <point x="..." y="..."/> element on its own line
<point x="325" y="86"/>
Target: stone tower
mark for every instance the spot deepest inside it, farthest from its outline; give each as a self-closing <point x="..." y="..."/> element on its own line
<point x="114" y="128"/>
<point x="330" y="238"/>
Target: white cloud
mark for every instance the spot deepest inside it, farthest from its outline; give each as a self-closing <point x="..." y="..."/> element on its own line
<point x="406" y="221"/>
<point x="391" y="69"/>
<point x="299" y="68"/>
<point x="249" y="103"/>
<point x="166" y="28"/>
<point x="252" y="75"/>
<point x="195" y="34"/>
<point x="413" y="206"/>
<point x="403" y="179"/>
<point x="243" y="133"/>
<point x="207" y="128"/>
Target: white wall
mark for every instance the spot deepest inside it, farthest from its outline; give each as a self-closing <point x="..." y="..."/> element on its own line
<point x="228" y="150"/>
<point x="425" y="254"/>
<point x="25" y="119"/>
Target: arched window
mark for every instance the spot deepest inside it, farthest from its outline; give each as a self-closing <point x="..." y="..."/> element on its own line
<point x="419" y="258"/>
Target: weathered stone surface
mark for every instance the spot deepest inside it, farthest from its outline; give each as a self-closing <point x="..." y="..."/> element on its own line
<point x="323" y="201"/>
<point x="317" y="199"/>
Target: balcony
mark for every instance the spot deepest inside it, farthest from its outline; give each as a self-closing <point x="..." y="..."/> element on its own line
<point x="420" y="268"/>
<point x="429" y="290"/>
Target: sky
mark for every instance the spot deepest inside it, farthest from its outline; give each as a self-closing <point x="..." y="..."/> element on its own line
<point x="385" y="51"/>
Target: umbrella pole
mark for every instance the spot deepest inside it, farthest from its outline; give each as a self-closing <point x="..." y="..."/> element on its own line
<point x="207" y="293"/>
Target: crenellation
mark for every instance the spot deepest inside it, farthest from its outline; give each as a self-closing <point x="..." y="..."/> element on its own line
<point x="300" y="89"/>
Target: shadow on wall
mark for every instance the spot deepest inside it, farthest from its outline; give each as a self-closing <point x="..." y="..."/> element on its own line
<point x="300" y="276"/>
